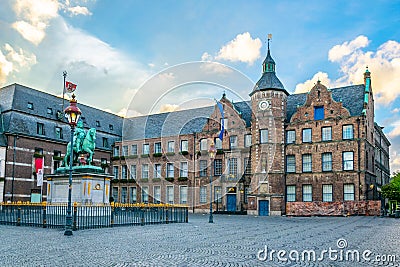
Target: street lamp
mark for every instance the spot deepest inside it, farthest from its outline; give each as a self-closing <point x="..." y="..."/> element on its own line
<point x="72" y="113"/>
<point x="211" y="152"/>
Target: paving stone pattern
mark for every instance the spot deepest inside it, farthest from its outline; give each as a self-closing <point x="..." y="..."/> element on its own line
<point x="230" y="241"/>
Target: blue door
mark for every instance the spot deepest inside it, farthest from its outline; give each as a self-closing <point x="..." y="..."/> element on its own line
<point x="231" y="202"/>
<point x="263" y="207"/>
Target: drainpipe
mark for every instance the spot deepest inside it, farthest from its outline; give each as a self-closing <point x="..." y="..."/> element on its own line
<point x="359" y="160"/>
<point x="194" y="172"/>
<point x="13" y="167"/>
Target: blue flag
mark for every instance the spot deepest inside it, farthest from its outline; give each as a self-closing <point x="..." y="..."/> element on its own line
<point x="221" y="110"/>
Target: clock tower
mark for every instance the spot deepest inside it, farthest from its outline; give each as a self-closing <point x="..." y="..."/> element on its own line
<point x="268" y="103"/>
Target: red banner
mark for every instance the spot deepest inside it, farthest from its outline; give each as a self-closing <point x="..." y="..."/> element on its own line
<point x="70" y="87"/>
<point x="38" y="164"/>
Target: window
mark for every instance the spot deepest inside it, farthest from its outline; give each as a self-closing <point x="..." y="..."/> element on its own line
<point x="145" y="171"/>
<point x="348" y="192"/>
<point x="132" y="194"/>
<point x="307" y="135"/>
<point x="307" y="192"/>
<point x="291" y="193"/>
<point x="145" y="194"/>
<point x="217" y="167"/>
<point x="291" y="163"/>
<point x="105" y="142"/>
<point x="97" y="123"/>
<point x="183" y="172"/>
<point x="124" y="194"/>
<point x="225" y="124"/>
<point x="57" y="162"/>
<point x="59" y="134"/>
<point x="347" y="131"/>
<point x="50" y="111"/>
<point x="134" y="150"/>
<point x="133" y="171"/>
<point x="233" y="141"/>
<point x="146" y="149"/>
<point x="40" y="128"/>
<point x="247" y="166"/>
<point x="125" y="151"/>
<point x="157" y="147"/>
<point x="326" y="162"/>
<point x="307" y="163"/>
<point x="326" y="133"/>
<point x="170" y="194"/>
<point x="290" y="137"/>
<point x="348" y="164"/>
<point x="157" y="194"/>
<point x="171" y="147"/>
<point x="115" y="193"/>
<point x="124" y="172"/>
<point x="170" y="170"/>
<point x="327" y="193"/>
<point x="183" y="190"/>
<point x="233" y="167"/>
<point x="203" y="194"/>
<point x="115" y="171"/>
<point x="184" y="145"/>
<point x="30" y="105"/>
<point x="203" y="168"/>
<point x="39" y="151"/>
<point x="203" y="144"/>
<point x="116" y="151"/>
<point x="218" y="143"/>
<point x="157" y="170"/>
<point x="319" y="113"/>
<point x="246" y="193"/>
<point x="263" y="136"/>
<point x="111" y="127"/>
<point x="217" y="194"/>
<point x="247" y="140"/>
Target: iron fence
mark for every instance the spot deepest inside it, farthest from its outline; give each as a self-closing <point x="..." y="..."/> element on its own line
<point x="90" y="216"/>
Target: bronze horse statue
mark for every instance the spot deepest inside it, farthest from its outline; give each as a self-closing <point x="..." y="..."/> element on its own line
<point x="88" y="146"/>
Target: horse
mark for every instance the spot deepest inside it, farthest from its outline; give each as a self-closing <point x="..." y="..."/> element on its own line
<point x="88" y="146"/>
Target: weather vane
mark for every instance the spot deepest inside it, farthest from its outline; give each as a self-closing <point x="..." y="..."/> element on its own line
<point x="269" y="38"/>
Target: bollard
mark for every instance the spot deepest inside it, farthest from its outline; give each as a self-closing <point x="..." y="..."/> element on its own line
<point x="112" y="214"/>
<point x="19" y="216"/>
<point x="187" y="215"/>
<point x="74" y="226"/>
<point x="166" y="215"/>
<point x="44" y="215"/>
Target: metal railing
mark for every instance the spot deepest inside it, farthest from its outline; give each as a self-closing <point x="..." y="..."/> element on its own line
<point x="90" y="216"/>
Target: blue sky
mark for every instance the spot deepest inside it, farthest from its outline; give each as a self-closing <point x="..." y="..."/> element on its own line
<point x="111" y="49"/>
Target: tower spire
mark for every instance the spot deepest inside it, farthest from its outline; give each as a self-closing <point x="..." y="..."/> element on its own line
<point x="269" y="63"/>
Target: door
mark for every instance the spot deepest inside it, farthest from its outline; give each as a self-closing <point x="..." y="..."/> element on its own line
<point x="263" y="207"/>
<point x="231" y="202"/>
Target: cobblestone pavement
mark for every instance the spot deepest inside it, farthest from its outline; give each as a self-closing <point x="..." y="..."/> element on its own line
<point x="230" y="241"/>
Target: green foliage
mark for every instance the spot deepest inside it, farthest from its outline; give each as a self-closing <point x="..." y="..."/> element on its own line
<point x="392" y="189"/>
<point x="157" y="155"/>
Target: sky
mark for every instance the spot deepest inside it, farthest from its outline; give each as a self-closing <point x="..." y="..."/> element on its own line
<point x="135" y="57"/>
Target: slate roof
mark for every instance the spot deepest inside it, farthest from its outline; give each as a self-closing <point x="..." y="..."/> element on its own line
<point x="166" y="124"/>
<point x="18" y="118"/>
<point x="351" y="96"/>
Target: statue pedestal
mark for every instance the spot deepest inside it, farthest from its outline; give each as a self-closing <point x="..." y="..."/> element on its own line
<point x="87" y="188"/>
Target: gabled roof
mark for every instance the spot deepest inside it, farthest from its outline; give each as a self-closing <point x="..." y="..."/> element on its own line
<point x="351" y="96"/>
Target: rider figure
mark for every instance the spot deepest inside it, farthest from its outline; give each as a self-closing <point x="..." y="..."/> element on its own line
<point x="79" y="136"/>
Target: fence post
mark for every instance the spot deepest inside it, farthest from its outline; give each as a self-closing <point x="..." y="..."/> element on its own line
<point x="74" y="226"/>
<point x="44" y="215"/>
<point x="112" y="214"/>
<point x="166" y="215"/>
<point x="19" y="216"/>
<point x="187" y="214"/>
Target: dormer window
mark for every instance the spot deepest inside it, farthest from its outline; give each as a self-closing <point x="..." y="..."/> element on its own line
<point x="97" y="123"/>
<point x="30" y="105"/>
<point x="49" y="111"/>
<point x="111" y="127"/>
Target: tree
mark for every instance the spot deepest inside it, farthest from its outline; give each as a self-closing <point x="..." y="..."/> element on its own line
<point x="392" y="189"/>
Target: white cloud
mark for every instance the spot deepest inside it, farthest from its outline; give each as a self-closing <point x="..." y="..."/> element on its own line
<point x="394" y="162"/>
<point x="206" y="57"/>
<point x="14" y="60"/>
<point x="243" y="48"/>
<point x="33" y="18"/>
<point x="395" y="110"/>
<point x="151" y="65"/>
<point x="384" y="65"/>
<point x="78" y="10"/>
<point x="169" y="108"/>
<point x="307" y="85"/>
<point x="396" y="130"/>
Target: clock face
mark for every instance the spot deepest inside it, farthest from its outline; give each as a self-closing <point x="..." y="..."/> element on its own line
<point x="263" y="105"/>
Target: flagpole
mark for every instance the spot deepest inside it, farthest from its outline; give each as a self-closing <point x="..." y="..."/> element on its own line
<point x="65" y="76"/>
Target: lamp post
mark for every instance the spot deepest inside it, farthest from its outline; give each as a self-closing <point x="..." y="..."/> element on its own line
<point x="211" y="152"/>
<point x="73" y="113"/>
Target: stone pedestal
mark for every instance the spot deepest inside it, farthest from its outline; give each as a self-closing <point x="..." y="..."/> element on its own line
<point x="87" y="188"/>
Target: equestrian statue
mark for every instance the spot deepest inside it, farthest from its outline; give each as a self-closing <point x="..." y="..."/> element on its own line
<point x="84" y="144"/>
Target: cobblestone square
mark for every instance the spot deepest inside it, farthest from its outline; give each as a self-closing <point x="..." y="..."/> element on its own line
<point x="230" y="241"/>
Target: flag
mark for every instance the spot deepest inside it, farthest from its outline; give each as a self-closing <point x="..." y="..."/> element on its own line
<point x="39" y="171"/>
<point x="70" y="87"/>
<point x="221" y="110"/>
